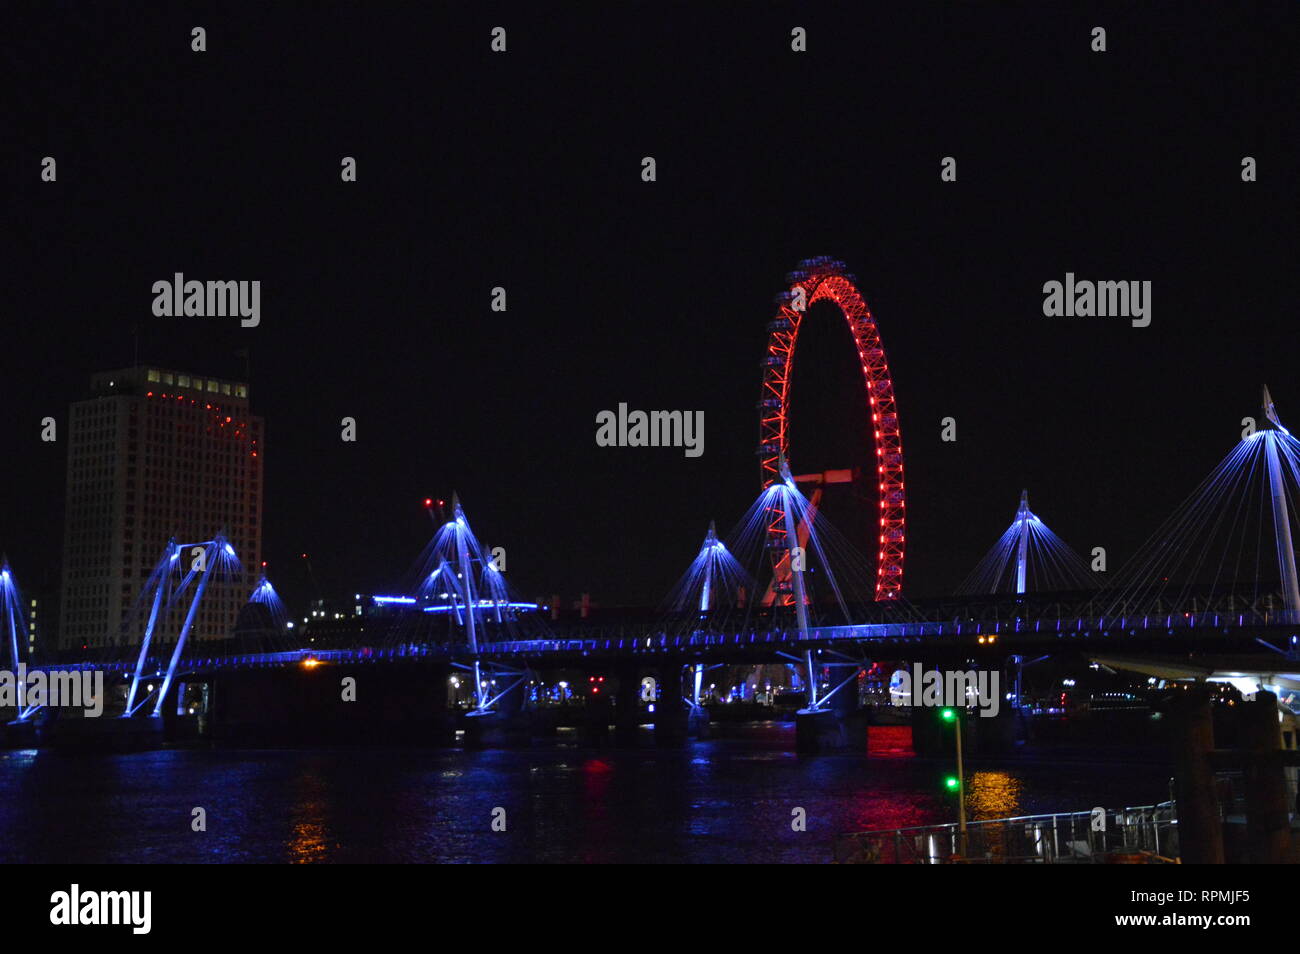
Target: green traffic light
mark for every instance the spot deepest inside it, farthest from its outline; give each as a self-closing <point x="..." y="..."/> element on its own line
<point x="949" y="715"/>
<point x="951" y="782"/>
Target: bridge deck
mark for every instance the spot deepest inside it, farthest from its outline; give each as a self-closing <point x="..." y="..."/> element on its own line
<point x="1012" y="630"/>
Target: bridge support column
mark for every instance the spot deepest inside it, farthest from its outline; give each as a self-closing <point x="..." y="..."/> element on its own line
<point x="816" y="730"/>
<point x="1200" y="832"/>
<point x="76" y="733"/>
<point x="851" y="716"/>
<point x="594" y="728"/>
<point x="670" y="710"/>
<point x="697" y="722"/>
<point x="496" y="730"/>
<point x="440" y="725"/>
<point x="993" y="735"/>
<point x="511" y="702"/>
<point x="505" y="726"/>
<point x="927" y="734"/>
<point x="698" y="717"/>
<point x="627" y="704"/>
<point x="1268" y="829"/>
<point x="840" y="728"/>
<point x="18" y="735"/>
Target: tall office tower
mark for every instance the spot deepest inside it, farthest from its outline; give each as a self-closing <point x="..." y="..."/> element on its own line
<point x="155" y="454"/>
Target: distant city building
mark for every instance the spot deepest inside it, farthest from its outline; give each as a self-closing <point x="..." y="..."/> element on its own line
<point x="35" y="624"/>
<point x="155" y="454"/>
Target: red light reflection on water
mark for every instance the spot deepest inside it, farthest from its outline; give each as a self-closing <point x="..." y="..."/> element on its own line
<point x="890" y="742"/>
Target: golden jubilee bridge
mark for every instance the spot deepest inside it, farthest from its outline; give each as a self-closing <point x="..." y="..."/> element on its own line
<point x="1211" y="595"/>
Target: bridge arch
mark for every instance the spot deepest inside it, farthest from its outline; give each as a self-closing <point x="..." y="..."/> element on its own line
<point x="825" y="279"/>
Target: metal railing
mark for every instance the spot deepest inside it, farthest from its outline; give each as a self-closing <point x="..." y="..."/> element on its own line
<point x="1145" y="834"/>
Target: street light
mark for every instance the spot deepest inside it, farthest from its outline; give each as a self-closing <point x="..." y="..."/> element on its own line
<point x="958" y="783"/>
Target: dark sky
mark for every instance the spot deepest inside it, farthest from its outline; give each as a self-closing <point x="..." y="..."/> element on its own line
<point x="523" y="170"/>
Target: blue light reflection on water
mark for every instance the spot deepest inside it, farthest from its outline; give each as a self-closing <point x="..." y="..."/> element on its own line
<point x="717" y="800"/>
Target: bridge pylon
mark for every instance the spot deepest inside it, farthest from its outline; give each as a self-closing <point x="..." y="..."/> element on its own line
<point x="1028" y="555"/>
<point x="12" y="612"/>
<point x="158" y="579"/>
<point x="796" y="575"/>
<point x="1023" y="516"/>
<point x="1273" y="434"/>
<point x="470" y="589"/>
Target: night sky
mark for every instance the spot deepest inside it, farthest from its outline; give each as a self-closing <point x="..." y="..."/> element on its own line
<point x="522" y="170"/>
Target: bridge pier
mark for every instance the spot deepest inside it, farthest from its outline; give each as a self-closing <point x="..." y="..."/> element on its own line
<point x="506" y="726"/>
<point x="671" y="719"/>
<point x="841" y="728"/>
<point x="1200" y="831"/>
<point x="697" y="716"/>
<point x="18" y="735"/>
<point x="627" y="704"/>
<point x="816" y="730"/>
<point x="315" y="705"/>
<point x="78" y="734"/>
<point x="697" y="722"/>
<point x="852" y="718"/>
<point x="992" y="735"/>
<point x="927" y="732"/>
<point x="1268" y="829"/>
<point x="593" y="731"/>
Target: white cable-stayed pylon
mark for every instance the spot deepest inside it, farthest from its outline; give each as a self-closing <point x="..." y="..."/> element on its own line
<point x="714" y="583"/>
<point x="1280" y="446"/>
<point x="715" y="579"/>
<point x="1231" y="543"/>
<point x="11" y="616"/>
<point x="1028" y="557"/>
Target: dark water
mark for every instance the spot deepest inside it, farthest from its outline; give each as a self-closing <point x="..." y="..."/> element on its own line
<point x="718" y="800"/>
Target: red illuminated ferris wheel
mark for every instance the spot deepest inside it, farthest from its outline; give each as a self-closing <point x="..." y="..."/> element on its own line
<point x="825" y="279"/>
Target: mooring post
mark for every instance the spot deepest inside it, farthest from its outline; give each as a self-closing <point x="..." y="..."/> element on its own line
<point x="1200" y="827"/>
<point x="1268" y="826"/>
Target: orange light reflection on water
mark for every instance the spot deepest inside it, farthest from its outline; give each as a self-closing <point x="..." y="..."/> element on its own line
<point x="308" y="843"/>
<point x="310" y="832"/>
<point x="992" y="795"/>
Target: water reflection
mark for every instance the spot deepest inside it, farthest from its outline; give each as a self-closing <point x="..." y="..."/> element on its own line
<point x="308" y="843"/>
<point x="722" y="799"/>
<point x="992" y="795"/>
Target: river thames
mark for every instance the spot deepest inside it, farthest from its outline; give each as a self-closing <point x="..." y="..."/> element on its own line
<point x="720" y="800"/>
